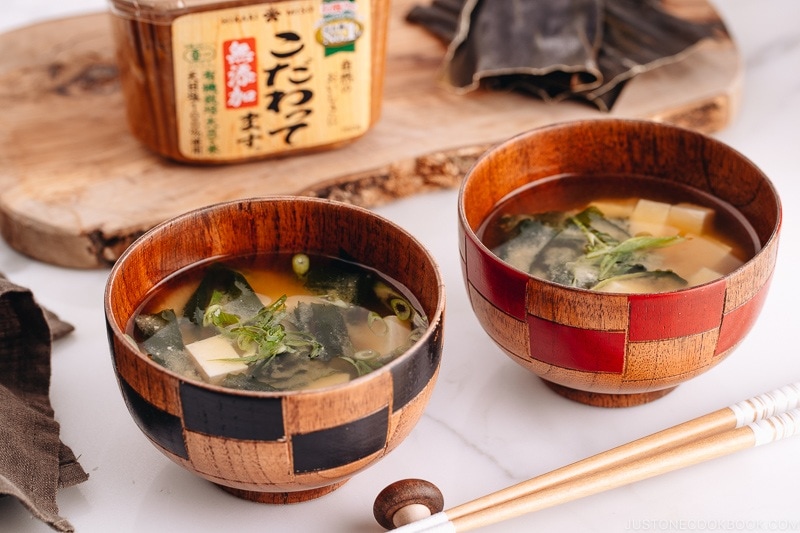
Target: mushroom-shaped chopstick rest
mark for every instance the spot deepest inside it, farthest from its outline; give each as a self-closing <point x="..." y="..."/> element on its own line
<point x="406" y="501"/>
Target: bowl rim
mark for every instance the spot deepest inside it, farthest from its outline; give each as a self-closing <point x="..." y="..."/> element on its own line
<point x="570" y="124"/>
<point x="435" y="323"/>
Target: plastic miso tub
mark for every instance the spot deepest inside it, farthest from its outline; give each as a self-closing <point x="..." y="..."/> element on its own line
<point x="230" y="81"/>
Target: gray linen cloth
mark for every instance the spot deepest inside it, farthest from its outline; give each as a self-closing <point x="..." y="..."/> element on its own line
<point x="34" y="463"/>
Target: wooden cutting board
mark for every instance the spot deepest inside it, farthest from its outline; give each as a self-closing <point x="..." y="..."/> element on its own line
<point x="76" y="188"/>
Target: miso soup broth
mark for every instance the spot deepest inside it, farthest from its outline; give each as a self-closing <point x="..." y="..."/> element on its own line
<point x="656" y="236"/>
<point x="277" y="322"/>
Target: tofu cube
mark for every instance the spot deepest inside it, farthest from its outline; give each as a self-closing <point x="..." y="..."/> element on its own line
<point x="382" y="337"/>
<point x="615" y="208"/>
<point x="650" y="211"/>
<point x="704" y="275"/>
<point x="654" y="229"/>
<point x="338" y="378"/>
<point x="649" y="217"/>
<point x="696" y="252"/>
<point x="207" y="356"/>
<point x="690" y="218"/>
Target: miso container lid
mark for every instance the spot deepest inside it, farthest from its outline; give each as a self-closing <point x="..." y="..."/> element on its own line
<point x="165" y="11"/>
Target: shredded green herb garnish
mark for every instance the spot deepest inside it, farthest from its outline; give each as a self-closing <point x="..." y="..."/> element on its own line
<point x="634" y="244"/>
<point x="263" y="335"/>
<point x="616" y="258"/>
<point x="619" y="254"/>
<point x="582" y="249"/>
<point x="595" y="240"/>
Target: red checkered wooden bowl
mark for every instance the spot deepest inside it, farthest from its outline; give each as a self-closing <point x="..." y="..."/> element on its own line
<point x="264" y="446"/>
<point x="616" y="349"/>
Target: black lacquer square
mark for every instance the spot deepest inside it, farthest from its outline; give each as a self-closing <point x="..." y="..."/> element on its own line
<point x="163" y="428"/>
<point x="231" y="416"/>
<point x="412" y="374"/>
<point x="340" y="445"/>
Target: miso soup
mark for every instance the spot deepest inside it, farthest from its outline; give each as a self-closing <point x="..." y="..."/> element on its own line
<point x="277" y="322"/>
<point x="626" y="234"/>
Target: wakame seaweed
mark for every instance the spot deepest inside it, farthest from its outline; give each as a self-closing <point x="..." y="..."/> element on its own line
<point x="345" y="321"/>
<point x="225" y="287"/>
<point x="162" y="339"/>
<point x="326" y="324"/>
<point x="584" y="250"/>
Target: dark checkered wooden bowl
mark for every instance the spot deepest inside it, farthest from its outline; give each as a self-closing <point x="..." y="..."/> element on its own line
<point x="275" y="447"/>
<point x="616" y="349"/>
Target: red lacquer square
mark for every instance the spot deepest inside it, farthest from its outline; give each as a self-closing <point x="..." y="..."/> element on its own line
<point x="738" y="322"/>
<point x="676" y="314"/>
<point x="575" y="348"/>
<point x="498" y="282"/>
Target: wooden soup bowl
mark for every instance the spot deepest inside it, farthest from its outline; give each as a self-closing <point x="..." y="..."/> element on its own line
<point x="264" y="446"/>
<point x="611" y="349"/>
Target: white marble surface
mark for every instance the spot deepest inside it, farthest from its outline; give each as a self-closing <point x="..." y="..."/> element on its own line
<point x="489" y="424"/>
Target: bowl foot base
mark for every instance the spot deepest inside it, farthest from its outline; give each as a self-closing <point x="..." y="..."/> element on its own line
<point x="599" y="399"/>
<point x="282" y="498"/>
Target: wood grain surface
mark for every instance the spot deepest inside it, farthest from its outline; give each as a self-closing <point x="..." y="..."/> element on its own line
<point x="76" y="188"/>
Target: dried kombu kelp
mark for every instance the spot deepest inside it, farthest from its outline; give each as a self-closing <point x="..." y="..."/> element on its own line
<point x="640" y="36"/>
<point x="440" y="17"/>
<point x="556" y="49"/>
<point x="522" y="37"/>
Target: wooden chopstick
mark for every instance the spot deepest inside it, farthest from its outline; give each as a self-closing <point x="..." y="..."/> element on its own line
<point x="761" y="432"/>
<point x="758" y="420"/>
<point x="732" y="417"/>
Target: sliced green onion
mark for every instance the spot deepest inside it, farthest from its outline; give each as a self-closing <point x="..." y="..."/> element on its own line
<point x="366" y="355"/>
<point x="300" y="264"/>
<point x="401" y="308"/>
<point x="377" y="324"/>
